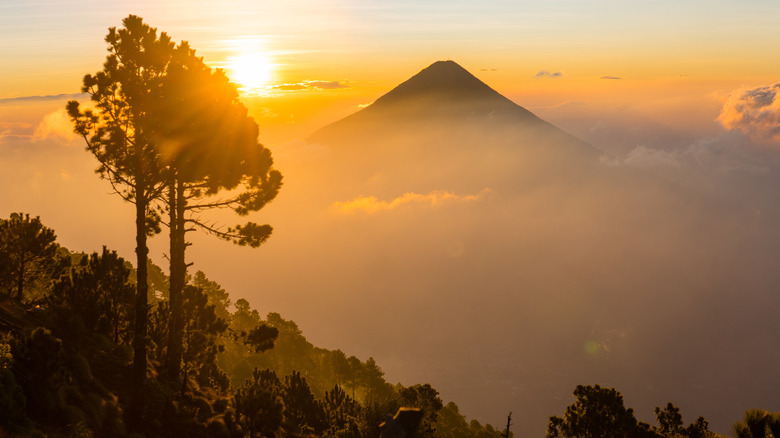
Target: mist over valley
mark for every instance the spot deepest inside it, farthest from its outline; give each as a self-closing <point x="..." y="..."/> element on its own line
<point x="461" y="240"/>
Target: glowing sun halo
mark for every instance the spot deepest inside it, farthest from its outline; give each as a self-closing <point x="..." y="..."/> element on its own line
<point x="251" y="71"/>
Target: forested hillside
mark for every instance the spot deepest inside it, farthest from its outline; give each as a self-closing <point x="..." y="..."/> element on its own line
<point x="65" y="369"/>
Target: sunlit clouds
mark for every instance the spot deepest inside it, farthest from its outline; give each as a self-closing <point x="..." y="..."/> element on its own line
<point x="312" y="85"/>
<point x="55" y="125"/>
<point x="371" y="204"/>
<point x="754" y="111"/>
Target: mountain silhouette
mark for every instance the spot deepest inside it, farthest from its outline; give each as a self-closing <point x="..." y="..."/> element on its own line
<point x="443" y="128"/>
<point x="446" y="88"/>
<point x="442" y="92"/>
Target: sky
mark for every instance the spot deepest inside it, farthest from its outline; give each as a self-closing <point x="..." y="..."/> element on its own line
<point x="681" y="90"/>
<point x="666" y="53"/>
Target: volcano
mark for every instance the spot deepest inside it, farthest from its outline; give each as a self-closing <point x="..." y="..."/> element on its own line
<point x="445" y="129"/>
<point x="442" y="90"/>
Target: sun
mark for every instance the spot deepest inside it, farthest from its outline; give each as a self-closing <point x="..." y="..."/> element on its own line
<point x="251" y="71"/>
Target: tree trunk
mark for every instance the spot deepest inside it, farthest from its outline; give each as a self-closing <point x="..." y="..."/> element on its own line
<point x="138" y="376"/>
<point x="178" y="273"/>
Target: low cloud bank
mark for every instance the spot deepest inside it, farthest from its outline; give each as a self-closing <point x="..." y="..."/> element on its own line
<point x="371" y="204"/>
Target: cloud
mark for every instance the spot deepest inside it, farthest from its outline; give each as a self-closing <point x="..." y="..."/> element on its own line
<point x="488" y="69"/>
<point x="730" y="152"/>
<point x="15" y="129"/>
<point x="55" y="125"/>
<point x="327" y="85"/>
<point x="643" y="156"/>
<point x="48" y="97"/>
<point x="753" y="111"/>
<point x="312" y="85"/>
<point x="547" y="74"/>
<point x="611" y="77"/>
<point x="437" y="198"/>
<point x="288" y="87"/>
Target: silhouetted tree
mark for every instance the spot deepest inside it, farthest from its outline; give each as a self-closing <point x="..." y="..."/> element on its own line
<point x="450" y="423"/>
<point x="258" y="405"/>
<point x="670" y="424"/>
<point x="758" y="423"/>
<point x="700" y="429"/>
<point x="261" y="338"/>
<point x="201" y="328"/>
<point x="216" y="294"/>
<point x="773" y="424"/>
<point x="426" y="398"/>
<point x="208" y="144"/>
<point x="597" y="413"/>
<point x="120" y="133"/>
<point x="341" y="413"/>
<point x="302" y="413"/>
<point x="27" y="254"/>
<point x="669" y="420"/>
<point x="97" y="289"/>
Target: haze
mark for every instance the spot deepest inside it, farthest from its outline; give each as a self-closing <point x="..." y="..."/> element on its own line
<point x="443" y="230"/>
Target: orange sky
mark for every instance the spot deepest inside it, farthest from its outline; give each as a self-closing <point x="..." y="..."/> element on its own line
<point x="672" y="58"/>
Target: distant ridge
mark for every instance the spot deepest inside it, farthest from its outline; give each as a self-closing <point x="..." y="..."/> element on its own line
<point x="45" y="97"/>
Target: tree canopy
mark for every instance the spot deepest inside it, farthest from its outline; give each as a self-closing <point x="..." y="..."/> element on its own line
<point x="120" y="134"/>
<point x="170" y="134"/>
<point x="600" y="412"/>
<point x="27" y="252"/>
